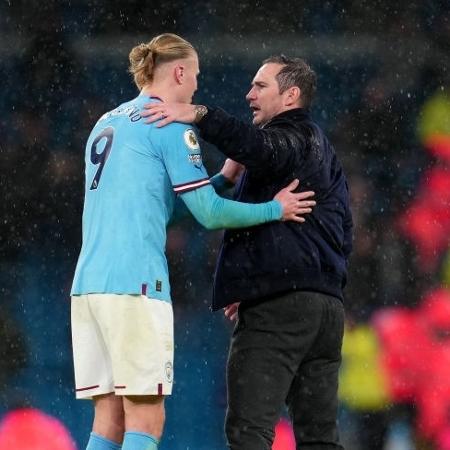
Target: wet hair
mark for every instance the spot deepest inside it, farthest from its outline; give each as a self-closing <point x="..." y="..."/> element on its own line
<point x="296" y="72"/>
<point x="145" y="58"/>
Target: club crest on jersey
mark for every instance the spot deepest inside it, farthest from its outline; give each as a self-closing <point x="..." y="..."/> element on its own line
<point x="191" y="139"/>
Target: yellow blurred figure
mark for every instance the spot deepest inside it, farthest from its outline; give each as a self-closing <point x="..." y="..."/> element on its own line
<point x="362" y="385"/>
<point x="434" y="119"/>
<point x="446" y="271"/>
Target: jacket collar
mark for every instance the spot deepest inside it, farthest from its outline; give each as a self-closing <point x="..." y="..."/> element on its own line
<point x="291" y="114"/>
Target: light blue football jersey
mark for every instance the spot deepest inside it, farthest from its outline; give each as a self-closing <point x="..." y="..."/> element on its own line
<point x="133" y="172"/>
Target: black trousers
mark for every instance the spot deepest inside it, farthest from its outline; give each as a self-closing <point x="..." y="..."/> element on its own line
<point x="285" y="350"/>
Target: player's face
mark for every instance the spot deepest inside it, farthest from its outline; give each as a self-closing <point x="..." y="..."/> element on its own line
<point x="190" y="78"/>
<point x="264" y="97"/>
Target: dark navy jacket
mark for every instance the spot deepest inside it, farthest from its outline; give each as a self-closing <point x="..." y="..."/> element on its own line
<point x="277" y="257"/>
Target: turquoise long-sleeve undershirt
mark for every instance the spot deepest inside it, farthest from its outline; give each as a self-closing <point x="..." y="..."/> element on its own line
<point x="220" y="183"/>
<point x="215" y="212"/>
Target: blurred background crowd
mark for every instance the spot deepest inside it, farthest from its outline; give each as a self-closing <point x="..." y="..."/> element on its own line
<point x="384" y="100"/>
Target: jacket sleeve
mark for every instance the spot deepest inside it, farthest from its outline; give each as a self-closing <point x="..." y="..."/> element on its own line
<point x="270" y="149"/>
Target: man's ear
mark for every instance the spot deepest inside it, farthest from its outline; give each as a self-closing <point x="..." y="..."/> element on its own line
<point x="179" y="73"/>
<point x="292" y="96"/>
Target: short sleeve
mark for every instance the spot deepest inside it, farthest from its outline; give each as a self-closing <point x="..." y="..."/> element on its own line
<point x="182" y="156"/>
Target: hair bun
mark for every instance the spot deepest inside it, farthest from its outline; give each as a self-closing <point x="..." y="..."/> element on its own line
<point x="145" y="50"/>
<point x="145" y="58"/>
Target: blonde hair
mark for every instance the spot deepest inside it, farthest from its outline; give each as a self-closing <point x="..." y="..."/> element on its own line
<point x="145" y="58"/>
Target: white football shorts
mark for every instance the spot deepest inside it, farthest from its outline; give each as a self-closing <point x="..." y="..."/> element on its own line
<point x="122" y="344"/>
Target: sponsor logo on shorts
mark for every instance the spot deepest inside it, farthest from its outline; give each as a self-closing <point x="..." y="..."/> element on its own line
<point x="169" y="371"/>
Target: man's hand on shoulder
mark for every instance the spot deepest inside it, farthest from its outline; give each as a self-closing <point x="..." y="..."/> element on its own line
<point x="165" y="113"/>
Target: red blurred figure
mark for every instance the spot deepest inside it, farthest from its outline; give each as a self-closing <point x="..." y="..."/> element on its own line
<point x="284" y="436"/>
<point x="416" y="357"/>
<point x="433" y="394"/>
<point x="31" y="429"/>
<point x="402" y="350"/>
<point x="443" y="440"/>
<point x="427" y="220"/>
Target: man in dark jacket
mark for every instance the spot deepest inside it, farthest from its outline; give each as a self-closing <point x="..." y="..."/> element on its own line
<point x="283" y="280"/>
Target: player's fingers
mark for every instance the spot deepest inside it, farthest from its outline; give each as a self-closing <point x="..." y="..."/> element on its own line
<point x="306" y="203"/>
<point x="303" y="211"/>
<point x="292" y="185"/>
<point x="297" y="219"/>
<point x="303" y="195"/>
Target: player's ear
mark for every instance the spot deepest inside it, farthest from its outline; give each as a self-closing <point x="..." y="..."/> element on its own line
<point x="179" y="73"/>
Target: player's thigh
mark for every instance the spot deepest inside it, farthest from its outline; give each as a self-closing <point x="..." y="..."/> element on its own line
<point x="92" y="363"/>
<point x="139" y="335"/>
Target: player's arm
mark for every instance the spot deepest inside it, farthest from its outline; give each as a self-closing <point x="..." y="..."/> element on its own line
<point x="256" y="148"/>
<point x="181" y="154"/>
<point x="215" y="212"/>
<point x="220" y="183"/>
<point x="227" y="177"/>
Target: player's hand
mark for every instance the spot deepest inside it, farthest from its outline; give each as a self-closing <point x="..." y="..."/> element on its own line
<point x="166" y="113"/>
<point x="295" y="204"/>
<point x="232" y="170"/>
<point x="231" y="311"/>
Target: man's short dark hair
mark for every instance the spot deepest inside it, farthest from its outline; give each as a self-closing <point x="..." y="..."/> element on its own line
<point x="296" y="72"/>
